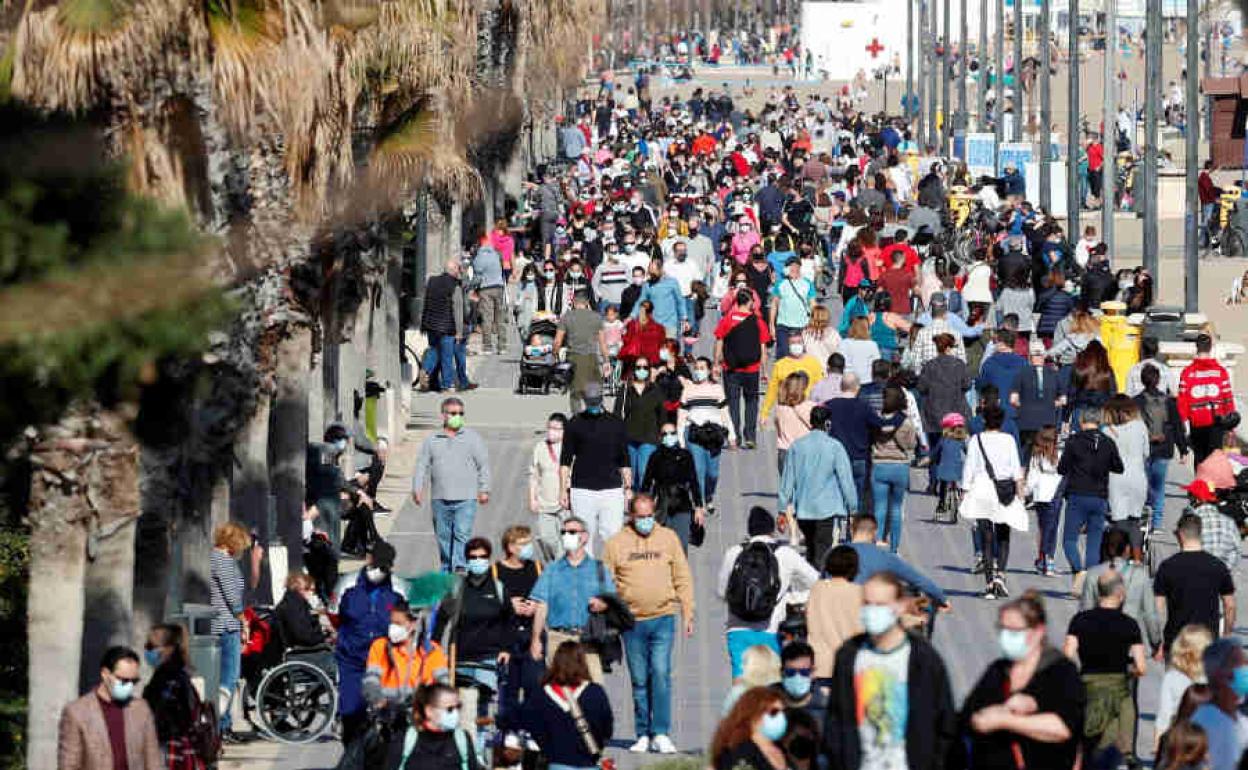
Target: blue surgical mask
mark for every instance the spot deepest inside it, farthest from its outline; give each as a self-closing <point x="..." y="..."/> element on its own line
<point x="642" y="374"/>
<point x="644" y="525"/>
<point x="877" y="618"/>
<point x="121" y="692"/>
<point x="595" y="409"/>
<point x="700" y="375"/>
<point x="1239" y="681"/>
<point x="1013" y="643"/>
<point x="775" y="726"/>
<point x="526" y="552"/>
<point x="671" y="440"/>
<point x="449" y="721"/>
<point x="152" y="657"/>
<point x="341" y="445"/>
<point x="478" y="566"/>
<point x="797" y="686"/>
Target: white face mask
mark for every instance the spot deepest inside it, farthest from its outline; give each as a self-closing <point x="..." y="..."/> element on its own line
<point x="397" y="633"/>
<point x="797" y="348"/>
<point x="375" y="574"/>
<point x="570" y="541"/>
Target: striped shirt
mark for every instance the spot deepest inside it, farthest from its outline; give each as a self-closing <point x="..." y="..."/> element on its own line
<point x="226" y="592"/>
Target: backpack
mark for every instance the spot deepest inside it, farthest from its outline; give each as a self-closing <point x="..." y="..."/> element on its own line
<point x="1154" y="412"/>
<point x="754" y="585"/>
<point x="204" y="733"/>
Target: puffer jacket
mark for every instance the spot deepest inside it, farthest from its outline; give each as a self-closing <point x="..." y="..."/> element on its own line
<point x="1054" y="304"/>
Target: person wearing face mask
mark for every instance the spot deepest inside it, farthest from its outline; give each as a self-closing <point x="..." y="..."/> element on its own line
<point x="1226" y="667"/>
<point x="705" y="425"/>
<point x="792" y="300"/>
<point x="701" y="248"/>
<point x="664" y="293"/>
<point x="402" y="661"/>
<point x="171" y="695"/>
<point x="797" y="687"/>
<point x="457" y="465"/>
<point x="891" y="704"/>
<point x="567" y="591"/>
<point x="685" y="271"/>
<point x="436" y="738"/>
<point x="580" y="329"/>
<point x="363" y="604"/>
<point x="110" y="721"/>
<point x="483" y="632"/>
<point x="745" y="241"/>
<point x="671" y="479"/>
<point x="544" y="490"/>
<point x="749" y="737"/>
<point x="570" y="717"/>
<point x="641" y="409"/>
<point x="631" y="293"/>
<point x="325" y="482"/>
<point x="528" y="296"/>
<point x="518" y="571"/>
<point x="228" y="621"/>
<point x="1028" y="708"/>
<point x="647" y="563"/>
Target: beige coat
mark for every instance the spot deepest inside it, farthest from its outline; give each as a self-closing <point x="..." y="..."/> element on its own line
<point x="831" y="618"/>
<point x="84" y="745"/>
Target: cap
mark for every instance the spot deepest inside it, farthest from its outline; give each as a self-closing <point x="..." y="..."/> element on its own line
<point x="1202" y="490"/>
<point x="792" y="261"/>
<point x="866" y="283"/>
<point x="938" y="300"/>
<point x="592" y="394"/>
<point x="952" y="420"/>
<point x="760" y="522"/>
<point x="383" y="554"/>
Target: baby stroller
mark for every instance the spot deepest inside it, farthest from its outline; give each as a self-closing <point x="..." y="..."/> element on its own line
<point x="540" y="367"/>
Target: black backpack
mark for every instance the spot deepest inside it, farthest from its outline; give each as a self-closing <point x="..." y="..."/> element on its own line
<point x="1154" y="413"/>
<point x="754" y="586"/>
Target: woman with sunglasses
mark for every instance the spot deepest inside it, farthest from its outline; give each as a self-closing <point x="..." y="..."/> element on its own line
<point x="435" y="740"/>
<point x="671" y="479"/>
<point x="749" y="737"/>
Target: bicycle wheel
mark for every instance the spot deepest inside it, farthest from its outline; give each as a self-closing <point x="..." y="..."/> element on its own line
<point x="296" y="703"/>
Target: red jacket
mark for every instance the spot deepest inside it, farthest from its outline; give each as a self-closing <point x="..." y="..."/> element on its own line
<point x="1204" y="393"/>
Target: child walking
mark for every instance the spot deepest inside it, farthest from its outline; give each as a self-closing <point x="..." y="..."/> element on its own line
<point x="948" y="460"/>
<point x="1043" y="481"/>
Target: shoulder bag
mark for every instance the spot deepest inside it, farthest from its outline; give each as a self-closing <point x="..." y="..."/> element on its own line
<point x="1007" y="489"/>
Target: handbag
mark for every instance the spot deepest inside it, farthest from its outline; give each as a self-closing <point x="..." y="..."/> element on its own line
<point x="1007" y="489"/>
<point x="709" y="435"/>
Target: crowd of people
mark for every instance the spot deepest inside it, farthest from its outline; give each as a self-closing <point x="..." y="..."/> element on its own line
<point x="695" y="272"/>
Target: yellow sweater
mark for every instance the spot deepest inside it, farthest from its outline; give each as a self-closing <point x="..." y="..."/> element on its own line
<point x="651" y="573"/>
<point x="782" y="369"/>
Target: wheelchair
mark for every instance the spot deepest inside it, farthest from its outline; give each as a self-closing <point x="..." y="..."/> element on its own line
<point x="292" y="694"/>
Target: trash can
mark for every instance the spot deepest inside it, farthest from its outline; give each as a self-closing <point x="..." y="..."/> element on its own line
<point x="1164" y="323"/>
<point x="203" y="647"/>
<point x="1121" y="340"/>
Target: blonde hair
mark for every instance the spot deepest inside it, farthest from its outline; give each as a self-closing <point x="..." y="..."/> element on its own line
<point x="955" y="432"/>
<point x="760" y="666"/>
<point x="860" y="328"/>
<point x="1084" y="323"/>
<point x="1186" y="654"/>
<point x="513" y="534"/>
<point x="299" y="581"/>
<point x="231" y="536"/>
<point x="793" y="389"/>
<point x="820" y="320"/>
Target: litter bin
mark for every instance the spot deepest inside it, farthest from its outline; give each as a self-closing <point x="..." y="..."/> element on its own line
<point x="1121" y="340"/>
<point x="203" y="647"/>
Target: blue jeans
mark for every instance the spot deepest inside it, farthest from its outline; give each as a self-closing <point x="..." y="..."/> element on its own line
<point x="1081" y="510"/>
<point x="1047" y="515"/>
<point x="860" y="483"/>
<point x="889" y="482"/>
<point x="741" y="639"/>
<point x="638" y="456"/>
<point x="1156" y="472"/>
<point x="649" y="649"/>
<point x="782" y="339"/>
<point x="231" y="666"/>
<point x="706" y="467"/>
<point x="461" y="363"/>
<point x="522" y="674"/>
<point x="440" y="356"/>
<point x="452" y="521"/>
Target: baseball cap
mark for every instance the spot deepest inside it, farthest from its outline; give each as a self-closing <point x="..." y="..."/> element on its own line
<point x="952" y="420"/>
<point x="1202" y="490"/>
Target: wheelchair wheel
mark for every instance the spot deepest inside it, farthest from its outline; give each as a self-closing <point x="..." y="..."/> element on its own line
<point x="296" y="703"/>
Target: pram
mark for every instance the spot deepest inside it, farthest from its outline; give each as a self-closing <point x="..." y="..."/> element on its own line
<point x="540" y="367"/>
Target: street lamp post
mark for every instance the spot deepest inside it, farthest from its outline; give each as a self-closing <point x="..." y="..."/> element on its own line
<point x="1109" y="133"/>
<point x="982" y="53"/>
<point x="932" y="92"/>
<point x="921" y="136"/>
<point x="946" y="71"/>
<point x="1152" y="85"/>
<point x="909" y="96"/>
<point x="1191" y="257"/>
<point x="963" y="123"/>
<point x="1017" y="134"/>
<point x="1073" y="203"/>
<point x="998" y="71"/>
<point x="1046" y="111"/>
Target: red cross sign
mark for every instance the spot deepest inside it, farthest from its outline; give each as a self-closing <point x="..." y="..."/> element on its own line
<point x="875" y="48"/>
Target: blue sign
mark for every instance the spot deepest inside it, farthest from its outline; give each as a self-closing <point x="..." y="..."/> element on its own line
<point x="1017" y="154"/>
<point x="979" y="154"/>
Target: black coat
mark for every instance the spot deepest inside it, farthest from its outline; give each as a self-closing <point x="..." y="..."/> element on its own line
<point x="168" y="693"/>
<point x="943" y="384"/>
<point x="296" y="623"/>
<point x="555" y="731"/>
<point x="671" y="479"/>
<point x="1036" y="408"/>
<point x="930" y="725"/>
<point x="1090" y="456"/>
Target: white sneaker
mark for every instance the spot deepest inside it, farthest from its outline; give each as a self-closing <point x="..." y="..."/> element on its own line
<point x="641" y="746"/>
<point x="664" y="745"/>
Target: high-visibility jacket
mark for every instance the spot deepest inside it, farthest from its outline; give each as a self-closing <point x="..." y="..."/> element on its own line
<point x="399" y="669"/>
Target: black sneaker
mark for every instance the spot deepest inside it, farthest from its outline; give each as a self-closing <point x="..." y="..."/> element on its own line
<point x="978" y="567"/>
<point x="998" y="585"/>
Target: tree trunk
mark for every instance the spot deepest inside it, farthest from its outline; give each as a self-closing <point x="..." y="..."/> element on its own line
<point x="288" y="442"/>
<point x="108" y="617"/>
<point x="84" y="486"/>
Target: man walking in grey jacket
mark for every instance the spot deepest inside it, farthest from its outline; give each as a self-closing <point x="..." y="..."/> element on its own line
<point x="487" y="267"/>
<point x="455" y="463"/>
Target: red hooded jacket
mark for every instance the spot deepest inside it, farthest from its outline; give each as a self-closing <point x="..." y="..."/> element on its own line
<point x="1204" y="393"/>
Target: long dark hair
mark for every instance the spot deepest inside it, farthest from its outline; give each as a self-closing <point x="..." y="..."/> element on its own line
<point x="1092" y="371"/>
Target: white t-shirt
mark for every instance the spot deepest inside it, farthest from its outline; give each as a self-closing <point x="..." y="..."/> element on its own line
<point x="685" y="274"/>
<point x="882" y="697"/>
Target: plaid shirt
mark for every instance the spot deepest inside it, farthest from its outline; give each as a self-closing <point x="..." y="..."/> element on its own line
<point x="924" y="349"/>
<point x="1218" y="534"/>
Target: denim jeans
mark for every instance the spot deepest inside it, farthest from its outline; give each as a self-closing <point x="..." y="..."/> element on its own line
<point x="638" y="456"/>
<point x="649" y="649"/>
<point x="859" y="468"/>
<point x="1156" y="471"/>
<point x="889" y="482"/>
<point x="440" y="356"/>
<point x="231" y="666"/>
<point x="782" y="339"/>
<point x="461" y="363"/>
<point x="1081" y="510"/>
<point x="741" y="639"/>
<point x="452" y="521"/>
<point x="1047" y="515"/>
<point x="706" y="467"/>
<point x="522" y="674"/>
<point x="740" y="386"/>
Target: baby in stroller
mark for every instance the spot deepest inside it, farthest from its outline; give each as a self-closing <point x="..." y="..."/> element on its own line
<point x="540" y="367"/>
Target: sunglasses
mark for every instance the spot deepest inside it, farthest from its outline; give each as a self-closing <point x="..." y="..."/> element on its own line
<point x="669" y="433"/>
<point x="798" y="671"/>
<point x="124" y="680"/>
<point x="453" y="414"/>
<point x="572" y="531"/>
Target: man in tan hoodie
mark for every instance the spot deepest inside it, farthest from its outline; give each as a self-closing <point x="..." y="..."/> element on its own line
<point x="652" y="577"/>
